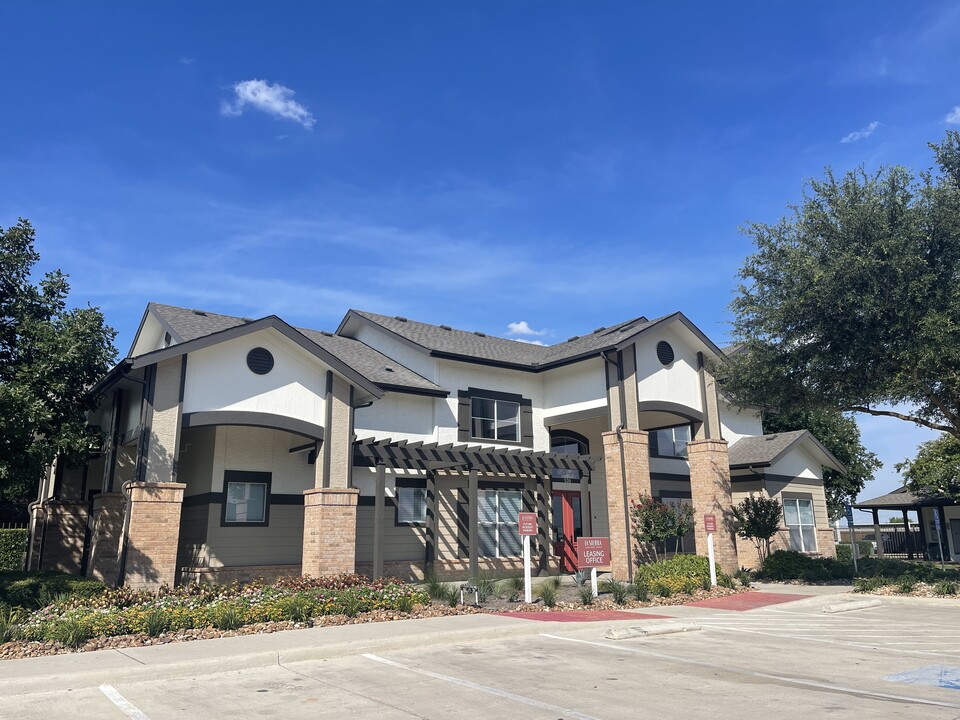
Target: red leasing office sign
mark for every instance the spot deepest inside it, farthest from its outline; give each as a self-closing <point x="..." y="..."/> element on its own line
<point x="593" y="552"/>
<point x="528" y="523"/>
<point x="710" y="523"/>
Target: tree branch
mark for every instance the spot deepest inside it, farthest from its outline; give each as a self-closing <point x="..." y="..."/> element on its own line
<point x="901" y="416"/>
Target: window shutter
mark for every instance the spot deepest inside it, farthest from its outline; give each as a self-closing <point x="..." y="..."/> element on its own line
<point x="463" y="417"/>
<point x="526" y="424"/>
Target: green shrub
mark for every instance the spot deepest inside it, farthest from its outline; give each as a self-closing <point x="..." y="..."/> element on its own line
<point x="548" y="593"/>
<point x="683" y="567"/>
<point x="510" y="588"/>
<point x="863" y="585"/>
<point x="690" y="586"/>
<point x="486" y="587"/>
<point x="36" y="589"/>
<point x="640" y="590"/>
<point x="586" y="594"/>
<point x="906" y="584"/>
<point x="227" y="616"/>
<point x="618" y="590"/>
<point x="792" y="565"/>
<point x="580" y="578"/>
<point x="297" y="608"/>
<point x="663" y="588"/>
<point x="13" y="549"/>
<point x="944" y="588"/>
<point x="865" y="548"/>
<point x="155" y="622"/>
<point x="71" y="632"/>
<point x="9" y="623"/>
<point x="743" y="576"/>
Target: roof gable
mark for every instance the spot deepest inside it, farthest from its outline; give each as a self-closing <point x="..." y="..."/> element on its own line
<point x="767" y="449"/>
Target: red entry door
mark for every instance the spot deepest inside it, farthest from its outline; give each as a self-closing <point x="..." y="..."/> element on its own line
<point x="567" y="528"/>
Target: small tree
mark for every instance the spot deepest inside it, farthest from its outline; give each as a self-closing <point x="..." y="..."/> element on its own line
<point x="759" y="520"/>
<point x="655" y="522"/>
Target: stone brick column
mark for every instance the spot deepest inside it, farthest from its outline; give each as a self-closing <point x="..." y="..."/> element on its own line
<point x="153" y="535"/>
<point x="626" y="482"/>
<point x="329" y="531"/>
<point x="105" y="539"/>
<point x="64" y="537"/>
<point x="711" y="492"/>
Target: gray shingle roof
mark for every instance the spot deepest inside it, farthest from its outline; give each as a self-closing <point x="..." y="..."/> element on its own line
<point x="447" y="340"/>
<point x="902" y="497"/>
<point x="762" y="449"/>
<point x="372" y="364"/>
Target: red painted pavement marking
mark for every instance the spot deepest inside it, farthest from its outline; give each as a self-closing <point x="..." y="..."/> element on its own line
<point x="746" y="601"/>
<point x="581" y="615"/>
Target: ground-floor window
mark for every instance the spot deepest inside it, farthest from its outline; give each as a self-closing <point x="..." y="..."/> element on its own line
<point x="411" y="505"/>
<point x="246" y="497"/>
<point x="498" y="515"/>
<point x="798" y="516"/>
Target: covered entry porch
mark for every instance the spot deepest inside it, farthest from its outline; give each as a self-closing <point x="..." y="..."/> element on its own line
<point x="452" y="508"/>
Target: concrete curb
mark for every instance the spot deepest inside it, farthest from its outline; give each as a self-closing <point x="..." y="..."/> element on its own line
<point x="852" y="605"/>
<point x="650" y="629"/>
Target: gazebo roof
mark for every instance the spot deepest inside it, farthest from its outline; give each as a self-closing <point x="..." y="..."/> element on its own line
<point x="902" y="499"/>
<point x="434" y="456"/>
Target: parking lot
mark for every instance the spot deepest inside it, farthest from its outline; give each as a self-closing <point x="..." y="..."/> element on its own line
<point x="784" y="661"/>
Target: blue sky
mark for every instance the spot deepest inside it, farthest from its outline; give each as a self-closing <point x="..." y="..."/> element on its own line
<point x="563" y="164"/>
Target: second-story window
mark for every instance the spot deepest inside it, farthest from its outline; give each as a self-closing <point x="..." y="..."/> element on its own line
<point x="494" y="419"/>
<point x="670" y="442"/>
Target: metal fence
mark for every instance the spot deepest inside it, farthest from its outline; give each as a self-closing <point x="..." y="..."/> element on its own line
<point x="13" y="526"/>
<point x="898" y="541"/>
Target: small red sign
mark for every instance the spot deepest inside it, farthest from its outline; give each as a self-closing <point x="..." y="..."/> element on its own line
<point x="710" y="523"/>
<point x="593" y="552"/>
<point x="528" y="523"/>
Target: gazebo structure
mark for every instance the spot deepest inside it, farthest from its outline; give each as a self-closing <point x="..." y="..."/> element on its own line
<point x="926" y="508"/>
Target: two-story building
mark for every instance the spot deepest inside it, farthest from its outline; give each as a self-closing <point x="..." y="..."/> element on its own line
<point x="237" y="448"/>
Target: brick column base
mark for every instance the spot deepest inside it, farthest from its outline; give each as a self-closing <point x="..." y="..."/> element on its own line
<point x="329" y="531"/>
<point x="65" y="534"/>
<point x="711" y="493"/>
<point x="105" y="539"/>
<point x="153" y="535"/>
<point x="626" y="482"/>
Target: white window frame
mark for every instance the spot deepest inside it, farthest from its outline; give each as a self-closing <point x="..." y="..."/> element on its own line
<point x="496" y="428"/>
<point x="800" y="524"/>
<point x="499" y="522"/>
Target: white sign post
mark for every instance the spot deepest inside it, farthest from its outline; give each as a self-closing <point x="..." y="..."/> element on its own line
<point x="527" y="526"/>
<point x="710" y="525"/>
<point x="527" y="590"/>
<point x="593" y="582"/>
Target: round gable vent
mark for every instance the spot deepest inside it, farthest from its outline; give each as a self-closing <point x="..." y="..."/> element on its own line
<point x="260" y="361"/>
<point x="664" y="352"/>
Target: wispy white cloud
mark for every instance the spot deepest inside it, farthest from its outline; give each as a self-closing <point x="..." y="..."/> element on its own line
<point x="184" y="60"/>
<point x="953" y="117"/>
<point x="276" y="100"/>
<point x="522" y="328"/>
<point x="530" y="342"/>
<point x="860" y="134"/>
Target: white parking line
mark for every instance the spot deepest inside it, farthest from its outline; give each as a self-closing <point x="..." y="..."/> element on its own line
<point x="131" y="710"/>
<point x="752" y="673"/>
<point x="482" y="688"/>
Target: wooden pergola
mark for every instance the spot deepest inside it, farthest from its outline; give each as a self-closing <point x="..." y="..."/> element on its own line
<point x="472" y="460"/>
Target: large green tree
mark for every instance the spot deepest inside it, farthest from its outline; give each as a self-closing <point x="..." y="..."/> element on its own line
<point x="852" y="303"/>
<point x="50" y="357"/>
<point x="840" y="434"/>
<point x="936" y="468"/>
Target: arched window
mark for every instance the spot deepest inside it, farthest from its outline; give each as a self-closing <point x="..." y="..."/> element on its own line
<point x="568" y="442"/>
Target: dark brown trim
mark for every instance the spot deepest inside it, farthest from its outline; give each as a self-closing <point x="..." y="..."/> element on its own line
<point x="388" y="387"/>
<point x="253" y="419"/>
<point x="146" y="422"/>
<point x="327" y="422"/>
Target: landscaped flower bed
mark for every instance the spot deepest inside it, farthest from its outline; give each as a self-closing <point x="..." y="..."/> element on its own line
<point x="73" y="621"/>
